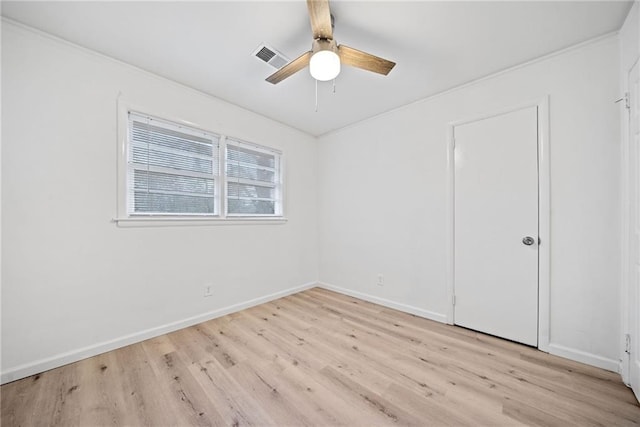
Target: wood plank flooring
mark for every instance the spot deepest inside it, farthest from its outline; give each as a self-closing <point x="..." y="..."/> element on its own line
<point x="321" y="358"/>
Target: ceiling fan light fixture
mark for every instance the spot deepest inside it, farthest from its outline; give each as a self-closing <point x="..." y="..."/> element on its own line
<point x="324" y="63"/>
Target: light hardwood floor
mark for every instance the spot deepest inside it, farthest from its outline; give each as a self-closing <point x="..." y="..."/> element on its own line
<point x="321" y="358"/>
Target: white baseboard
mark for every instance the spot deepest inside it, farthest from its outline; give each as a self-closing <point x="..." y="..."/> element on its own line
<point x="585" y="357"/>
<point x="31" y="368"/>
<point x="438" y="317"/>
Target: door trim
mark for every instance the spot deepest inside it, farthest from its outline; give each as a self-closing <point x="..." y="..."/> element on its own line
<point x="544" y="213"/>
<point x="629" y="203"/>
<point x="625" y="185"/>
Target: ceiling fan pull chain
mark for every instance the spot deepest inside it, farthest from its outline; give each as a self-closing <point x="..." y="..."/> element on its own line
<point x="334" y="85"/>
<point x="316" y="96"/>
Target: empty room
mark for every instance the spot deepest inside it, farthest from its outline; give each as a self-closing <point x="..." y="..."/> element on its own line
<point x="320" y="213"/>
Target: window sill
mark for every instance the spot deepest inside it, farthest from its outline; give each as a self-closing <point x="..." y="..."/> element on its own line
<point x="194" y="221"/>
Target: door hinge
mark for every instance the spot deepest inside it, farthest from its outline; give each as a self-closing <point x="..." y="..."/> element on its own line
<point x="627" y="101"/>
<point x="453" y="300"/>
<point x="627" y="344"/>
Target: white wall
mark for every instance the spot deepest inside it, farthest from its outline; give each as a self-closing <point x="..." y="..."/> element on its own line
<point x="75" y="284"/>
<point x="383" y="197"/>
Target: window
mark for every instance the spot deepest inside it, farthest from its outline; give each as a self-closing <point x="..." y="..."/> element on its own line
<point x="177" y="171"/>
<point x="172" y="170"/>
<point x="253" y="179"/>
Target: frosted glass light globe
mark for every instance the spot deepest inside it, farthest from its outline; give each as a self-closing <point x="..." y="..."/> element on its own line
<point x="324" y="65"/>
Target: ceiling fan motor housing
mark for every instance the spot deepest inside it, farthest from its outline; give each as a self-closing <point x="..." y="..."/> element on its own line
<point x="324" y="44"/>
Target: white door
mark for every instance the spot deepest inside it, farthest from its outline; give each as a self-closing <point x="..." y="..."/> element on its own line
<point x="633" y="300"/>
<point x="496" y="225"/>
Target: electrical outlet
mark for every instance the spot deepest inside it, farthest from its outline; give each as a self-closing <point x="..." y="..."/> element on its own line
<point x="380" y="279"/>
<point x="208" y="290"/>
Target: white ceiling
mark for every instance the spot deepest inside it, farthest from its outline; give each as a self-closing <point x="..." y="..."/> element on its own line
<point x="437" y="45"/>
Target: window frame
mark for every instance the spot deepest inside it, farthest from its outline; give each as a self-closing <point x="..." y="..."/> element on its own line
<point x="220" y="217"/>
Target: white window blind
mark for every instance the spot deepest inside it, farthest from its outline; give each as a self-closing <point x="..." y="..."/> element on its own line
<point x="172" y="169"/>
<point x="252" y="179"/>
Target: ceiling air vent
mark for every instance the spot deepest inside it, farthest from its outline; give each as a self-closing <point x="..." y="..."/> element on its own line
<point x="271" y="56"/>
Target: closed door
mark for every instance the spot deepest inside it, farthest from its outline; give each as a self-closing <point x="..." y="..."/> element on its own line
<point x="633" y="346"/>
<point x="496" y="225"/>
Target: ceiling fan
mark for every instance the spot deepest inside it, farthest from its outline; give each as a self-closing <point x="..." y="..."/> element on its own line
<point x="326" y="55"/>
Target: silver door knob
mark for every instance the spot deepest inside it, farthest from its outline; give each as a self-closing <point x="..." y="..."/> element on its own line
<point x="528" y="240"/>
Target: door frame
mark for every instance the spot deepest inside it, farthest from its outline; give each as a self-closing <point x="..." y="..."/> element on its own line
<point x="628" y="188"/>
<point x="544" y="212"/>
